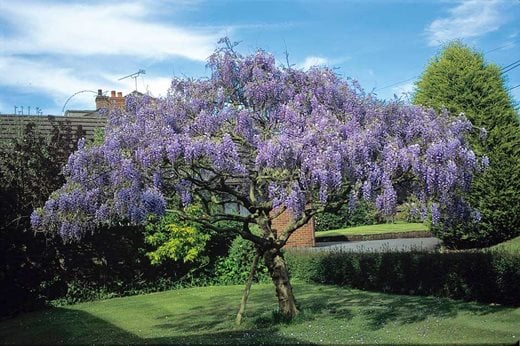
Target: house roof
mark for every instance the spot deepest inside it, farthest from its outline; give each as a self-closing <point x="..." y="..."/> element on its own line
<point x="81" y="113"/>
<point x="11" y="125"/>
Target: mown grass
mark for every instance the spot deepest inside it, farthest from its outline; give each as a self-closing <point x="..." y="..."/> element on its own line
<point x="330" y="315"/>
<point x="512" y="245"/>
<point x="374" y="229"/>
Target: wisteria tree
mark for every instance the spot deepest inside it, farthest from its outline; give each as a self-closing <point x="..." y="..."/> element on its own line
<point x="269" y="139"/>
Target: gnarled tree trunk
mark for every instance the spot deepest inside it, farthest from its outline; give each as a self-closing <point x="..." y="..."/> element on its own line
<point x="280" y="275"/>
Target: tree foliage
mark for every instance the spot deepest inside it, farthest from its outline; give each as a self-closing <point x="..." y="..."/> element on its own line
<point x="363" y="213"/>
<point x="36" y="268"/>
<point x="268" y="139"/>
<point x="30" y="166"/>
<point x="460" y="80"/>
<point x="176" y="239"/>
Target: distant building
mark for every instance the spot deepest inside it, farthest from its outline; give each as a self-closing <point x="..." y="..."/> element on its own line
<point x="82" y="122"/>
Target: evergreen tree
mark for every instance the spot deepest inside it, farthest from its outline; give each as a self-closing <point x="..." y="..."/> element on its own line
<point x="459" y="80"/>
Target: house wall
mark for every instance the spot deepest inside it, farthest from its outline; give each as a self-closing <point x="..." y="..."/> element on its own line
<point x="303" y="237"/>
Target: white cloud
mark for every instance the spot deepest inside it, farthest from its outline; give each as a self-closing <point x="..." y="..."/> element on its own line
<point x="158" y="86"/>
<point x="59" y="48"/>
<point x="468" y="19"/>
<point x="311" y="61"/>
<point x="58" y="82"/>
<point x="61" y="83"/>
<point x="155" y="86"/>
<point x="102" y="28"/>
<point x="404" y="89"/>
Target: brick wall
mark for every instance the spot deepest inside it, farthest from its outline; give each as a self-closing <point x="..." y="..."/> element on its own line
<point x="303" y="237"/>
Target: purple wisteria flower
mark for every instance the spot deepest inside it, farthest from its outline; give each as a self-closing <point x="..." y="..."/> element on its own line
<point x="265" y="137"/>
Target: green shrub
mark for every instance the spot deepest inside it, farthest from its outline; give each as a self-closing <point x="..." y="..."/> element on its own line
<point x="485" y="276"/>
<point x="409" y="211"/>
<point x="30" y="166"/>
<point x="235" y="267"/>
<point x="174" y="239"/>
<point x="36" y="269"/>
<point x="81" y="291"/>
<point x="363" y="214"/>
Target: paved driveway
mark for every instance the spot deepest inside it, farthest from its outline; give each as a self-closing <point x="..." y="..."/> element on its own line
<point x="401" y="244"/>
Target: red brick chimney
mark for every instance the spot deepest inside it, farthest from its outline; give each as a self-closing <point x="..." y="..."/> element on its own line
<point x="116" y="100"/>
<point x="102" y="101"/>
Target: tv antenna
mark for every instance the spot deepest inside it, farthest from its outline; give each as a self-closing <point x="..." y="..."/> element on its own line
<point x="134" y="76"/>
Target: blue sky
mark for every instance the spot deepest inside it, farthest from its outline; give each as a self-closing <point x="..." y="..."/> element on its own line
<point x="50" y="50"/>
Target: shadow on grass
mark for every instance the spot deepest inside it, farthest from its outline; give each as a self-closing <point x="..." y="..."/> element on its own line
<point x="57" y="326"/>
<point x="210" y="321"/>
<point x="379" y="308"/>
<point x="60" y="326"/>
<point x="331" y="302"/>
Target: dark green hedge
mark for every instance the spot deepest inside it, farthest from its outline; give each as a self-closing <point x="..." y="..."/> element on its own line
<point x="488" y="277"/>
<point x="37" y="268"/>
<point x="363" y="214"/>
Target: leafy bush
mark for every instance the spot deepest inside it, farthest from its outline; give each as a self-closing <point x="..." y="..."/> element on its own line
<point x="485" y="276"/>
<point x="30" y="165"/>
<point x="235" y="267"/>
<point x="176" y="239"/>
<point x="363" y="214"/>
<point x="80" y="291"/>
<point x="409" y="211"/>
<point x="117" y="261"/>
<point x="36" y="268"/>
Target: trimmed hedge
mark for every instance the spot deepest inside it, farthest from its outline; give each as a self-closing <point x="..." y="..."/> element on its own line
<point x="484" y="276"/>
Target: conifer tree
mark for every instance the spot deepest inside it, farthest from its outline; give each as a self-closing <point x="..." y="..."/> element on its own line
<point x="459" y="80"/>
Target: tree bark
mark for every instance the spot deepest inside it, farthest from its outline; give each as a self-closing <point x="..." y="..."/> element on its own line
<point x="280" y="276"/>
<point x="247" y="289"/>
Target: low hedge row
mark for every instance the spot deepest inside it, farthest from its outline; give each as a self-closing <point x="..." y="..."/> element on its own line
<point x="488" y="277"/>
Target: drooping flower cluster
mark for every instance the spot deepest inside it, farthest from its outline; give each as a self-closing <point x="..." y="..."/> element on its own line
<point x="263" y="136"/>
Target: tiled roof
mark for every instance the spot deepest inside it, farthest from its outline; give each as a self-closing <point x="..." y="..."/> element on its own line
<point x="12" y="125"/>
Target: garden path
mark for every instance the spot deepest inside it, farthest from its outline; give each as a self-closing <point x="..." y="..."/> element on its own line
<point x="400" y="244"/>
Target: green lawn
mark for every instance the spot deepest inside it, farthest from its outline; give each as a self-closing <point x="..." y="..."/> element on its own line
<point x="374" y="229"/>
<point x="512" y="245"/>
<point x="205" y="315"/>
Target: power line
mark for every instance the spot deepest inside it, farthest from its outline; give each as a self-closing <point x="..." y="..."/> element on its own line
<point x="503" y="70"/>
<point x="510" y="67"/>
<point x="501" y="47"/>
<point x="397" y="83"/>
<point x="514" y="62"/>
<point x="516" y="86"/>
